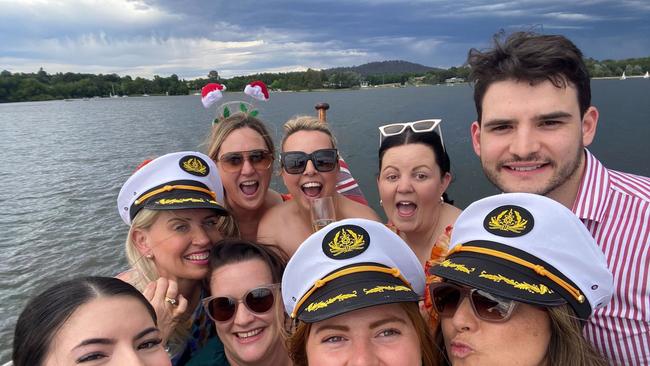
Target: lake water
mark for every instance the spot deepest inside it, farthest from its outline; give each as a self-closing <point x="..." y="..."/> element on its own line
<point x="63" y="164"/>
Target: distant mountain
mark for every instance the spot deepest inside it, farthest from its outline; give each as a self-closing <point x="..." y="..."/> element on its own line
<point x="384" y="67"/>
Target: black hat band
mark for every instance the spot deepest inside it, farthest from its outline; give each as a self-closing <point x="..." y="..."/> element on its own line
<point x="540" y="270"/>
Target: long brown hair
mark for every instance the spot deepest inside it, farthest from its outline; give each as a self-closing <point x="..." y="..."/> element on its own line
<point x="297" y="341"/>
<point x="567" y="347"/>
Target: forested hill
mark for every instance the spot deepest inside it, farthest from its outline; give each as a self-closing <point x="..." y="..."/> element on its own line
<point x="385" y="67"/>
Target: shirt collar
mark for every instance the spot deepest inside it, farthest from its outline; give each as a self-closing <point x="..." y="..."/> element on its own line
<point x="594" y="190"/>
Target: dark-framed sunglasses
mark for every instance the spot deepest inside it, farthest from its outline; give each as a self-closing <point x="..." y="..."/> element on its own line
<point x="425" y="125"/>
<point x="233" y="161"/>
<point x="258" y="300"/>
<point x="446" y="298"/>
<point x="295" y="162"/>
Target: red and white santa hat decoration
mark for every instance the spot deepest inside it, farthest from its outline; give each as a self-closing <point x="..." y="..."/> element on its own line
<point x="258" y="90"/>
<point x="211" y="93"/>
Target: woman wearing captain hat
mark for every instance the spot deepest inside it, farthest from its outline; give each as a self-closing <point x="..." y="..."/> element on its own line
<point x="521" y="278"/>
<point x="174" y="207"/>
<point x="353" y="288"/>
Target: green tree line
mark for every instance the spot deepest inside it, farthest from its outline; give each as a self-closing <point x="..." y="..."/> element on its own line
<point x="18" y="87"/>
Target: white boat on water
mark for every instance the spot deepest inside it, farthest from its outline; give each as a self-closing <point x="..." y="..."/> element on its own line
<point x="623" y="77"/>
<point x="647" y="75"/>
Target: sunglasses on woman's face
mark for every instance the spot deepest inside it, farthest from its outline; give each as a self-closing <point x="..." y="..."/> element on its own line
<point x="258" y="300"/>
<point x="295" y="162"/>
<point x="425" y="125"/>
<point x="233" y="161"/>
<point x="446" y="298"/>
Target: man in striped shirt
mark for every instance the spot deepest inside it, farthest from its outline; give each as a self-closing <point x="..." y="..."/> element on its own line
<point x="535" y="118"/>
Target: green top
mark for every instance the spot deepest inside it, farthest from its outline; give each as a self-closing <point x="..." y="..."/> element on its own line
<point x="212" y="354"/>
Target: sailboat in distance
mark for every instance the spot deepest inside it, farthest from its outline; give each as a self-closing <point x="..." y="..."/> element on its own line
<point x="623" y="77"/>
<point x="647" y="75"/>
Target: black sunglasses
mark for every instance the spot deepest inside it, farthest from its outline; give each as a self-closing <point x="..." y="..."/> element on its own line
<point x="233" y="161"/>
<point x="446" y="298"/>
<point x="295" y="162"/>
<point x="258" y="300"/>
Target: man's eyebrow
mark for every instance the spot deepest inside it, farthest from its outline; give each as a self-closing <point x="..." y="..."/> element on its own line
<point x="553" y="115"/>
<point x="497" y="121"/>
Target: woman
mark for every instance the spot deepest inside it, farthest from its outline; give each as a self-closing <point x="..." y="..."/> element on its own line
<point x="353" y="288"/>
<point x="521" y="278"/>
<point x="309" y="161"/>
<point x="413" y="176"/>
<point x="243" y="151"/>
<point x="174" y="206"/>
<point x="89" y="321"/>
<point x="245" y="306"/>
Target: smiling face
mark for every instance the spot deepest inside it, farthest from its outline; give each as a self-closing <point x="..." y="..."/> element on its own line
<point x="410" y="186"/>
<point x="180" y="242"/>
<point x="378" y="335"/>
<point x="521" y="340"/>
<point x="531" y="138"/>
<point x="248" y="337"/>
<point x="108" y="331"/>
<point x="246" y="188"/>
<point x="311" y="183"/>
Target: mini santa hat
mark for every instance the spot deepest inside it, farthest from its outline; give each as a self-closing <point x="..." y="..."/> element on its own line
<point x="257" y="90"/>
<point x="211" y="93"/>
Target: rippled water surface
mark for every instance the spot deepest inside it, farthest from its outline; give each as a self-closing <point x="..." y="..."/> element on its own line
<point x="63" y="164"/>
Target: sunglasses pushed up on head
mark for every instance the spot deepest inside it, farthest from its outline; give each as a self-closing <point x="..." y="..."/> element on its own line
<point x="425" y="125"/>
<point x="447" y="297"/>
<point x="258" y="300"/>
<point x="295" y="162"/>
<point x="234" y="161"/>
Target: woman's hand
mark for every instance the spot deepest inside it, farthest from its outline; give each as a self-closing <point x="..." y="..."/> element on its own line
<point x="170" y="306"/>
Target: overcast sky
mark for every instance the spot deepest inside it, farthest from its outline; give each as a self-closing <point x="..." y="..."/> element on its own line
<point x="239" y="37"/>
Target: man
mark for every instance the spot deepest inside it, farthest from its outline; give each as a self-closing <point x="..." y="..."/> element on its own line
<point x="535" y="118"/>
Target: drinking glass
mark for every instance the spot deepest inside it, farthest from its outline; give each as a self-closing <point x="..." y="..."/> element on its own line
<point x="322" y="212"/>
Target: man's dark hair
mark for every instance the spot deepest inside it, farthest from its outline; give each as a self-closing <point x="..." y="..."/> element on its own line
<point x="531" y="57"/>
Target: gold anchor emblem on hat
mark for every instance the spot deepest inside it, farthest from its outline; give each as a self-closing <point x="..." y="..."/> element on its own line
<point x="508" y="220"/>
<point x="194" y="165"/>
<point x="346" y="241"/>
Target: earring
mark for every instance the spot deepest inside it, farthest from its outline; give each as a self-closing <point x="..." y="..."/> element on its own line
<point x="149" y="256"/>
<point x="381" y="203"/>
<point x="442" y="200"/>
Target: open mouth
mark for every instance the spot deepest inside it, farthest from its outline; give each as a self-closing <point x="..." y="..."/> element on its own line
<point x="198" y="257"/>
<point x="311" y="189"/>
<point x="406" y="208"/>
<point x="249" y="187"/>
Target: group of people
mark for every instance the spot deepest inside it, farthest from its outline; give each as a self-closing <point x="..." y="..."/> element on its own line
<point x="226" y="271"/>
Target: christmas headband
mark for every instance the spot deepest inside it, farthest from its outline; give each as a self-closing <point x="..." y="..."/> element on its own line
<point x="212" y="92"/>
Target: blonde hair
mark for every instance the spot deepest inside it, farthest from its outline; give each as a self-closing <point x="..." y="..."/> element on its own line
<point x="567" y="346"/>
<point x="222" y="129"/>
<point x="306" y="123"/>
<point x="297" y="340"/>
<point x="143" y="270"/>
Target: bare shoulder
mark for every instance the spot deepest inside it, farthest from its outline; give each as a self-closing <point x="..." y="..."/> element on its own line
<point x="272" y="224"/>
<point x="352" y="209"/>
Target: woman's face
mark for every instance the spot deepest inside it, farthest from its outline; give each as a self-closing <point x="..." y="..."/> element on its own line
<point x="521" y="340"/>
<point x="247" y="187"/>
<point x="180" y="242"/>
<point x="248" y="337"/>
<point x="311" y="184"/>
<point x="379" y="335"/>
<point x="114" y="330"/>
<point x="410" y="186"/>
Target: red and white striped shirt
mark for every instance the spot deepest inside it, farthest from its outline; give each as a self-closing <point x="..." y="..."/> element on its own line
<point x="615" y="207"/>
